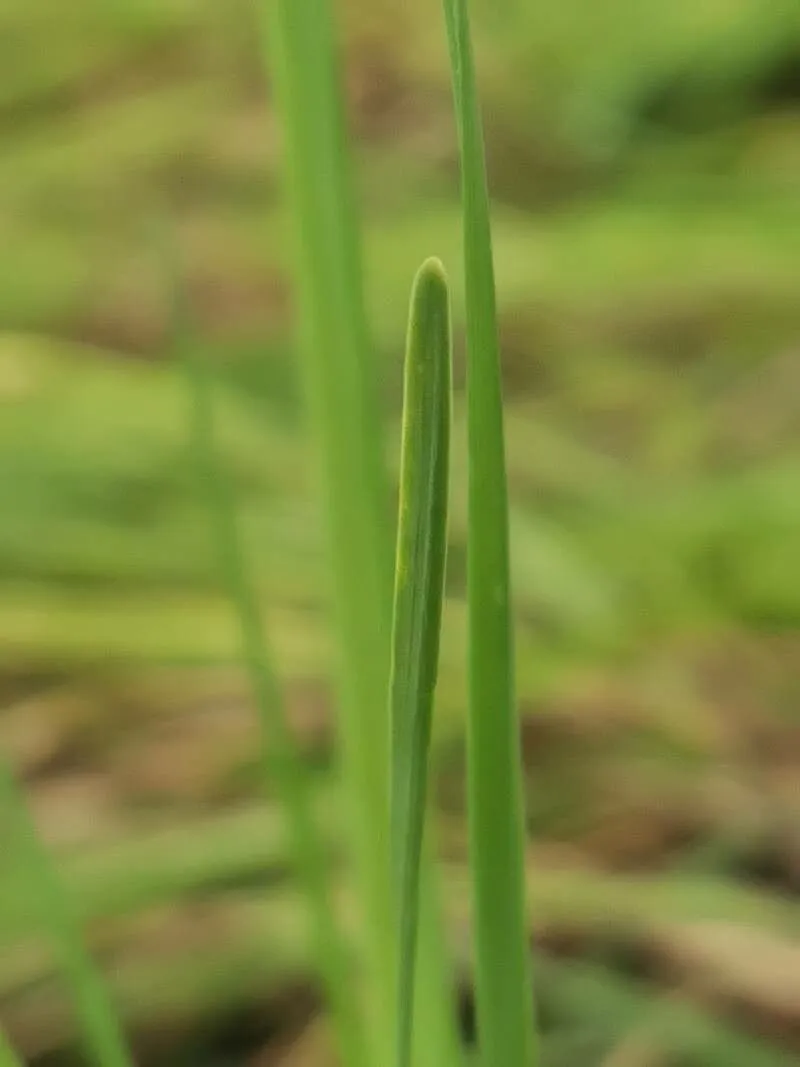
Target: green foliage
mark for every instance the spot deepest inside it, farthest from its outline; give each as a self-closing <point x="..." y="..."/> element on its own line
<point x="417" y="615"/>
<point x="494" y="771"/>
<point x="644" y="230"/>
<point x="344" y="424"/>
<point x="671" y="1027"/>
<point x="8" y="1057"/>
<point x="41" y="882"/>
<point x="342" y="420"/>
<point x="281" y="760"/>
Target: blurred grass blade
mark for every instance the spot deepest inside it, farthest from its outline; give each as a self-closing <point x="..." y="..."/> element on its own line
<point x="348" y="443"/>
<point x="419" y="578"/>
<point x="8" y="1057"/>
<point x="100" y="1029"/>
<point x="503" y="986"/>
<point x="281" y="757"/>
<point x="609" y="1005"/>
<point x="348" y="446"/>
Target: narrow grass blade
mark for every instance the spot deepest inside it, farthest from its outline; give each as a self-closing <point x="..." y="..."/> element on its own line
<point x="349" y="447"/>
<point x="8" y="1057"/>
<point x="503" y="986"/>
<point x="281" y="757"/>
<point x="100" y="1029"/>
<point x="419" y="578"/>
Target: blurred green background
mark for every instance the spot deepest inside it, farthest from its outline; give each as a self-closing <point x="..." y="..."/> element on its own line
<point x="644" y="160"/>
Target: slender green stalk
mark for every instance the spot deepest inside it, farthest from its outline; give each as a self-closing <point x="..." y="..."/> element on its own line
<point x="419" y="578"/>
<point x="8" y="1057"/>
<point x="100" y="1029"/>
<point x="281" y="757"/>
<point x="503" y="985"/>
<point x="348" y="447"/>
<point x="344" y="419"/>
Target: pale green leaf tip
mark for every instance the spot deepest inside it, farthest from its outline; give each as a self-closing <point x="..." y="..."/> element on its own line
<point x="430" y="292"/>
<point x="432" y="270"/>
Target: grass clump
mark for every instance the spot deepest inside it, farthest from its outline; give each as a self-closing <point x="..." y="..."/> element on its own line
<point x="403" y="1009"/>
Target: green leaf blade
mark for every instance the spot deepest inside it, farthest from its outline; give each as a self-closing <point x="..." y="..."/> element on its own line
<point x="503" y="985"/>
<point x="347" y="444"/>
<point x="98" y="1024"/>
<point x="419" y="585"/>
<point x="280" y="756"/>
<point x="8" y="1057"/>
<point x="344" y="420"/>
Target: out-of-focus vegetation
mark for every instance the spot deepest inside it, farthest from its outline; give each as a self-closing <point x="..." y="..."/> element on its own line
<point x="644" y="161"/>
